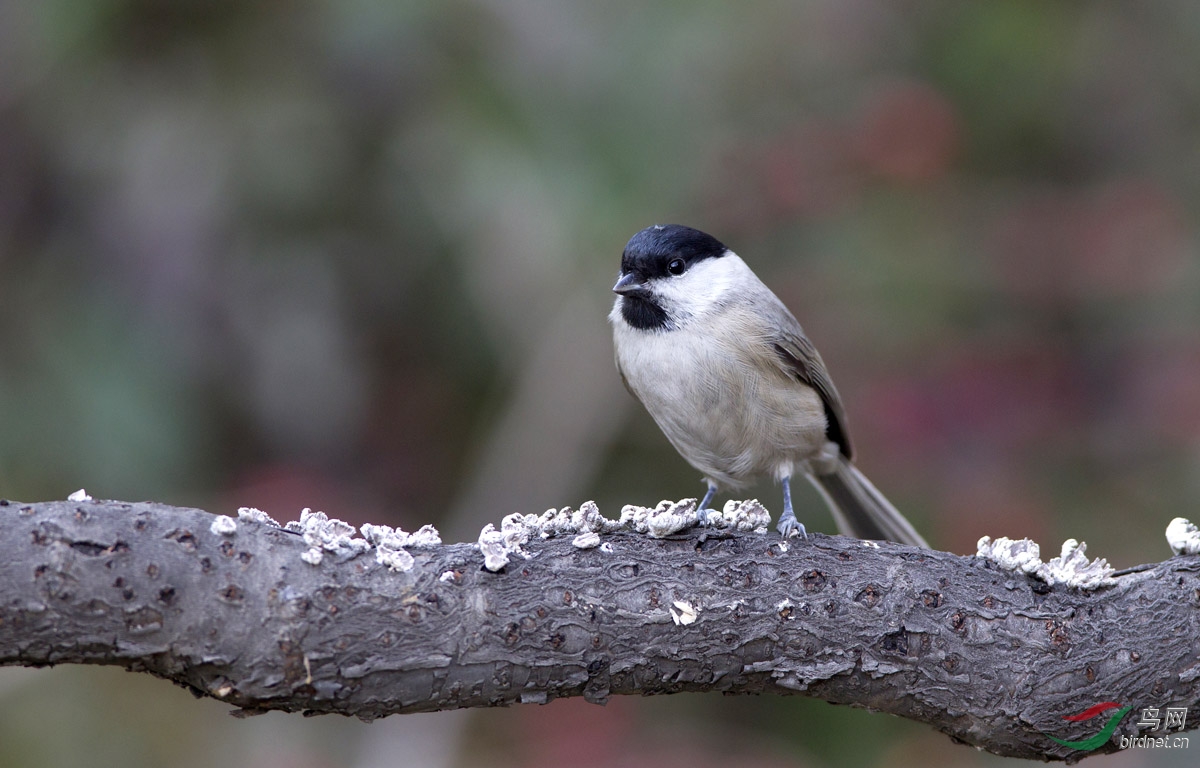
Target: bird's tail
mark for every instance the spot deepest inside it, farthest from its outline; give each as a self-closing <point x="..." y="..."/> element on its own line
<point x="859" y="509"/>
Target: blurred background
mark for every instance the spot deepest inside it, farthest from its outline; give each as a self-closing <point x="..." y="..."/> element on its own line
<point x="357" y="256"/>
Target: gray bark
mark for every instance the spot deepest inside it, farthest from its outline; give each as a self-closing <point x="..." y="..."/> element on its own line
<point x="991" y="658"/>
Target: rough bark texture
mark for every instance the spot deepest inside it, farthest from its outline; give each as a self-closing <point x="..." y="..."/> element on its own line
<point x="991" y="658"/>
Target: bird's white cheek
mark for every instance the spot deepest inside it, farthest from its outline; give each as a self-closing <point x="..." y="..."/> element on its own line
<point x="707" y="284"/>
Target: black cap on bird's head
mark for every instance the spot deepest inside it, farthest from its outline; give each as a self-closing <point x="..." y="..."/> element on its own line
<point x="660" y="250"/>
<point x="658" y="253"/>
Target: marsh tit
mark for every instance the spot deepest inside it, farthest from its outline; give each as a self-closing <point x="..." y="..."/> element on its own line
<point x="735" y="385"/>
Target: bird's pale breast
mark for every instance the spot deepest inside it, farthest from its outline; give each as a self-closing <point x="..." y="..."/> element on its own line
<point x="729" y="410"/>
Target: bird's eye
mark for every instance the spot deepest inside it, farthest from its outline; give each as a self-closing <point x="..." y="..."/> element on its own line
<point x="676" y="266"/>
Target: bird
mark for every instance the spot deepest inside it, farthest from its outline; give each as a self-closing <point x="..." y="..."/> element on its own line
<point x="733" y="382"/>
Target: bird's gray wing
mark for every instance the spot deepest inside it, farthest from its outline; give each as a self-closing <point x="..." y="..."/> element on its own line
<point x="798" y="358"/>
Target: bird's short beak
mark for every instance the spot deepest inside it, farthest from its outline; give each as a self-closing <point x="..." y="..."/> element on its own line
<point x="628" y="283"/>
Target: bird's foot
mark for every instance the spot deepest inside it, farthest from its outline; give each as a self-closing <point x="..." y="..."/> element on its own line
<point x="790" y="527"/>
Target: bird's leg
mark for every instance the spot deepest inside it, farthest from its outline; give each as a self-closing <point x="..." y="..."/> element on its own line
<point x="712" y="490"/>
<point x="788" y="525"/>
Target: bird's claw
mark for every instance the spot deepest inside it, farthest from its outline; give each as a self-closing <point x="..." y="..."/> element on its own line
<point x="790" y="527"/>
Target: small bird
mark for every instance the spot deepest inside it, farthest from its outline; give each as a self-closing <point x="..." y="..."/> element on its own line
<point x="732" y="381"/>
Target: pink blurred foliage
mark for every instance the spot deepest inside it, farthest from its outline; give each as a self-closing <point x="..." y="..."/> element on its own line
<point x="992" y="496"/>
<point x="1134" y="241"/>
<point x="908" y="132"/>
<point x="411" y="443"/>
<point x="1007" y="396"/>
<point x="1159" y="390"/>
<point x="1122" y="240"/>
<point x="971" y="424"/>
<point x="577" y="733"/>
<point x="802" y="172"/>
<point x="905" y="132"/>
<point x="282" y="490"/>
<point x="807" y="171"/>
<point x="573" y="732"/>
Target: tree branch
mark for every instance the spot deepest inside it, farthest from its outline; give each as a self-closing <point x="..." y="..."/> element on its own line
<point x="989" y="657"/>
